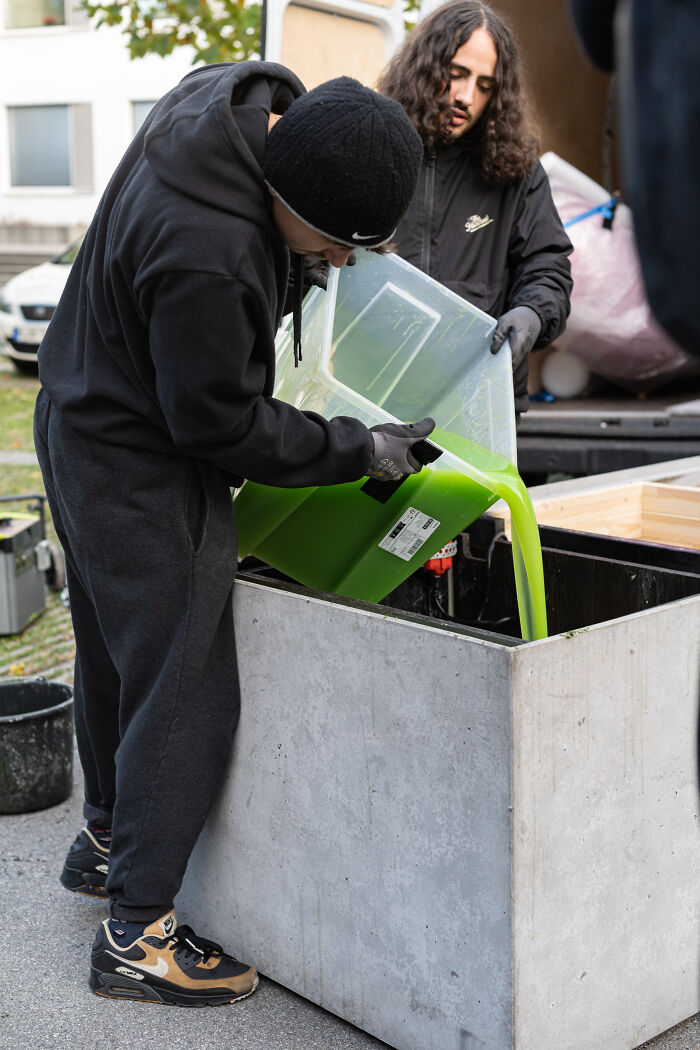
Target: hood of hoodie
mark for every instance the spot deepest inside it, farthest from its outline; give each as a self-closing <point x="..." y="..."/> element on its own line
<point x="206" y="138"/>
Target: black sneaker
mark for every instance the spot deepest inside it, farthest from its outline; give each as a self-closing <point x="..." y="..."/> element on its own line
<point x="166" y="963"/>
<point x="85" y="869"/>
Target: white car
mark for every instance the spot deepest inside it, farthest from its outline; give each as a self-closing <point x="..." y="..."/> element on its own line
<point x="27" y="303"/>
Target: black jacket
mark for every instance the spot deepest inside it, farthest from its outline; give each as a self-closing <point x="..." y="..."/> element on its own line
<point x="497" y="246"/>
<point x="164" y="335"/>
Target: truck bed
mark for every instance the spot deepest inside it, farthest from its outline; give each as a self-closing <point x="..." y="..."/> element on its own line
<point x="611" y="430"/>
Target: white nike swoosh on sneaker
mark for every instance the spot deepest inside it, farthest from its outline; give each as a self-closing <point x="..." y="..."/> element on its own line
<point x="159" y="970"/>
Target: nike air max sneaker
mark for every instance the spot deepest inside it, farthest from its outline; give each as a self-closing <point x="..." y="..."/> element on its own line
<point x="85" y="869"/>
<point x="166" y="963"/>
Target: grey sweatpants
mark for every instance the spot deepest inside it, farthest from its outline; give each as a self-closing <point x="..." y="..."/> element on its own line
<point x="150" y="549"/>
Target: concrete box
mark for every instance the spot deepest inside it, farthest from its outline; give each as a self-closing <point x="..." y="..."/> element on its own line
<point x="455" y="840"/>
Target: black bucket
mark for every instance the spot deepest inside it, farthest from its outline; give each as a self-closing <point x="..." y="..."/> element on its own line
<point x="36" y="744"/>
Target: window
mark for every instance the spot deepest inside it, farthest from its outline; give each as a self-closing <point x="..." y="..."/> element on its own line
<point x="140" y="111"/>
<point x="39" y="146"/>
<point x="25" y="14"/>
<point x="36" y="14"/>
<point x="51" y="146"/>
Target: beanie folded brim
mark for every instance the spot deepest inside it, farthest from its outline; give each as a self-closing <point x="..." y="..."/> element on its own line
<point x="359" y="240"/>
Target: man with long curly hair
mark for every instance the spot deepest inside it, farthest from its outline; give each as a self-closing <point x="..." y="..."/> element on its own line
<point x="482" y="220"/>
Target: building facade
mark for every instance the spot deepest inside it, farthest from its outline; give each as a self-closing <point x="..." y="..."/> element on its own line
<point x="71" y="99"/>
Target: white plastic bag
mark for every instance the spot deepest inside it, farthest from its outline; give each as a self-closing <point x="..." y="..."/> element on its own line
<point x="610" y="328"/>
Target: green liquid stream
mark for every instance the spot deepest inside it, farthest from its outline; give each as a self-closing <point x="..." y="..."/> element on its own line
<point x="497" y="474"/>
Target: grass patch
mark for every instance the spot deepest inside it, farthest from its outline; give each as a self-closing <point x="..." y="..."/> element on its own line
<point x="17" y="398"/>
<point x="46" y="646"/>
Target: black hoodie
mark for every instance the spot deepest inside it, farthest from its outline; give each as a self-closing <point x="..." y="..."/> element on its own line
<point x="164" y="336"/>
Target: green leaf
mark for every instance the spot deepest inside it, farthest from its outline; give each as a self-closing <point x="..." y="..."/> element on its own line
<point x="215" y="32"/>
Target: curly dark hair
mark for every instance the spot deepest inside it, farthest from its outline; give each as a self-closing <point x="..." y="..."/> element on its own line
<point x="503" y="142"/>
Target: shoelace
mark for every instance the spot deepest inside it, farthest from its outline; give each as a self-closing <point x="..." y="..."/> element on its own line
<point x="186" y="939"/>
<point x="103" y="835"/>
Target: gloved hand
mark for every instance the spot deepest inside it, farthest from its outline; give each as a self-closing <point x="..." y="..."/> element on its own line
<point x="392" y="458"/>
<point x="520" y="326"/>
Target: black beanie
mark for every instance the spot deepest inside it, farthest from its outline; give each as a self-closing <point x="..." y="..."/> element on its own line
<point x="344" y="160"/>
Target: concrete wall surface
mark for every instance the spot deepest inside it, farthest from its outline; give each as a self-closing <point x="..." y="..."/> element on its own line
<point x="360" y="852"/>
<point x="456" y="844"/>
<point x="606" y="851"/>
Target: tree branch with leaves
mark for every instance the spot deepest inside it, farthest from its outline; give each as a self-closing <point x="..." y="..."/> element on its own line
<point x="216" y="30"/>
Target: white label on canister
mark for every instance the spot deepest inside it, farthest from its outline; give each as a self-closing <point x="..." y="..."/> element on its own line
<point x="409" y="533"/>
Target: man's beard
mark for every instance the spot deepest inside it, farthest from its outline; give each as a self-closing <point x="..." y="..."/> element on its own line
<point x="446" y="131"/>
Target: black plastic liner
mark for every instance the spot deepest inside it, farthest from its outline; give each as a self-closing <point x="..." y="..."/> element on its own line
<point x="588" y="579"/>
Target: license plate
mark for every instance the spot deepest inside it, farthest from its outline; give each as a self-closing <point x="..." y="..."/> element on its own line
<point x="31" y="334"/>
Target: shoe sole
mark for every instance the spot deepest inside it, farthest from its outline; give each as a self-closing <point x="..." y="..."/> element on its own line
<point x="114" y="986"/>
<point x="82" y="882"/>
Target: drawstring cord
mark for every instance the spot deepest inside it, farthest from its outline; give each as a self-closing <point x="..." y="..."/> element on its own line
<point x="298" y="278"/>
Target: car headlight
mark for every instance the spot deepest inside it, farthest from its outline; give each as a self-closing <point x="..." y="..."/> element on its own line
<point x="5" y="306"/>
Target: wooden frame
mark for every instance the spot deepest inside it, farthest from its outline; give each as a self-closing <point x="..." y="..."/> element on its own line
<point x="653" y="511"/>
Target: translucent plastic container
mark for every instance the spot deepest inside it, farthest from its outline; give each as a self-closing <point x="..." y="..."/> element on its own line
<point x="386" y="336"/>
<point x="386" y="343"/>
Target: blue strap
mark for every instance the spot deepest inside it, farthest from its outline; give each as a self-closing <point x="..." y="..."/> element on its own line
<point x="608" y="210"/>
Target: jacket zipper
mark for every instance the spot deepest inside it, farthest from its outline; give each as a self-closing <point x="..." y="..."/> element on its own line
<point x="427" y="210"/>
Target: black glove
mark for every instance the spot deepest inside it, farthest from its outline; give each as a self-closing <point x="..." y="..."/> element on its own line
<point x="392" y="458"/>
<point x="520" y="326"/>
